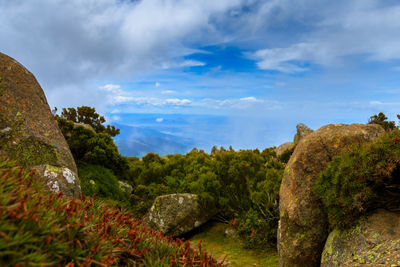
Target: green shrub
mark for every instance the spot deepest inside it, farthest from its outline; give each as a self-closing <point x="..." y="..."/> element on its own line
<point x="258" y="227"/>
<point x="255" y="231"/>
<point x="355" y="181"/>
<point x="96" y="179"/>
<point x="90" y="147"/>
<point x="39" y="228"/>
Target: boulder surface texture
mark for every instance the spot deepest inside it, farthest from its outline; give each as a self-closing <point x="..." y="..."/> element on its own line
<point x="373" y="241"/>
<point x="29" y="133"/>
<point x="303" y="225"/>
<point x="176" y="214"/>
<point x="282" y="148"/>
<point x="302" y="131"/>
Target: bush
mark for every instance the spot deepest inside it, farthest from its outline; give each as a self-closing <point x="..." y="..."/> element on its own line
<point x="359" y="179"/>
<point x="39" y="228"/>
<point x="90" y="147"/>
<point x="96" y="179"/>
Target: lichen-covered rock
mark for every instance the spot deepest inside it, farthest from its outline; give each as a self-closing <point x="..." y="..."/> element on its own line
<point x="282" y="148"/>
<point x="303" y="225"/>
<point x="176" y="214"/>
<point x="374" y="241"/>
<point x="28" y="132"/>
<point x="302" y="131"/>
<point x="58" y="179"/>
<point x="125" y="187"/>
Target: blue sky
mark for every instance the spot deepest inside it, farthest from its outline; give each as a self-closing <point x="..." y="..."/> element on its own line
<point x="263" y="65"/>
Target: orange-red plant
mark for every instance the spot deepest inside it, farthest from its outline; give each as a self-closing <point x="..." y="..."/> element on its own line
<point x="40" y="228"/>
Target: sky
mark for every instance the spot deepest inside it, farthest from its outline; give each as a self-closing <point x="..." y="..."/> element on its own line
<point x="263" y="65"/>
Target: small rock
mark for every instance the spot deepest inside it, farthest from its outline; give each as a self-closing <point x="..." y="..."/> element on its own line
<point x="177" y="214"/>
<point x="125" y="187"/>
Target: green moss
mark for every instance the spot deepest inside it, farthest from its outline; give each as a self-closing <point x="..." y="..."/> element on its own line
<point x="332" y="237"/>
<point x="31" y="152"/>
<point x="353" y="232"/>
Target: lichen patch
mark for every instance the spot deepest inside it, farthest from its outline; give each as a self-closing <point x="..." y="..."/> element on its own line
<point x="53" y="185"/>
<point x="69" y="176"/>
<point x="49" y="174"/>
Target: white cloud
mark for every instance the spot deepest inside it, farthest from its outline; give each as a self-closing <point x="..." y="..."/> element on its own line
<point x="375" y="103"/>
<point x="159" y="119"/>
<point x="119" y="99"/>
<point x="281" y="59"/>
<point x="178" y="102"/>
<point x="149" y="101"/>
<point x="251" y="99"/>
<point x="77" y="41"/>
<point x="168" y="92"/>
<point x="192" y="63"/>
<point x="239" y="103"/>
<point x="157" y="84"/>
<point x="368" y="29"/>
<point x="186" y="63"/>
<point x="116" y="118"/>
<point x="380" y="103"/>
<point x="114" y="88"/>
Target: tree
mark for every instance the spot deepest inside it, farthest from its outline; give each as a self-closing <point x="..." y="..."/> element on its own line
<point x="88" y="115"/>
<point x="381" y="119"/>
<point x="90" y="147"/>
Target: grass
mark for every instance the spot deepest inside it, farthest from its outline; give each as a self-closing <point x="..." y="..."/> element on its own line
<point x="215" y="242"/>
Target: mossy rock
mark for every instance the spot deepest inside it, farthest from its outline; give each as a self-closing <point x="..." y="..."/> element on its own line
<point x="303" y="226"/>
<point x="29" y="133"/>
<point x="58" y="179"/>
<point x="373" y="241"/>
<point x="176" y="214"/>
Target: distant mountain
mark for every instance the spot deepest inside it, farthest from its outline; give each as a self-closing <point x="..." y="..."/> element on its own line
<point x="138" y="141"/>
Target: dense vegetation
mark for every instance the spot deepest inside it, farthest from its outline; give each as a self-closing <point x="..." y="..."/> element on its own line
<point x="242" y="186"/>
<point x="39" y="228"/>
<point x="363" y="178"/>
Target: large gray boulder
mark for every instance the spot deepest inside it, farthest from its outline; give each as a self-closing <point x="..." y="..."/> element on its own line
<point x="29" y="133"/>
<point x="373" y="241"/>
<point x="176" y="214"/>
<point x="303" y="225"/>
